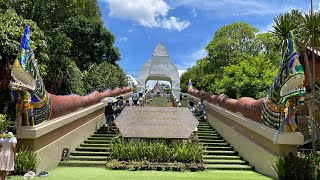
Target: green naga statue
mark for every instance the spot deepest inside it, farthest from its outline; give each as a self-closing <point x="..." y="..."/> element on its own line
<point x="286" y="92"/>
<point x="33" y="103"/>
<point x="32" y="100"/>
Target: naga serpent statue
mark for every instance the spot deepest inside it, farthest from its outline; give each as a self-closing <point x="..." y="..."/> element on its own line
<point x="286" y="92"/>
<point x="33" y="103"/>
<point x="28" y="91"/>
<point x="278" y="109"/>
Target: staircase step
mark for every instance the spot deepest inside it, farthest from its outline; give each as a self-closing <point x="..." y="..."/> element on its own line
<point x="201" y="122"/>
<point x="211" y="140"/>
<point x="100" y="138"/>
<point x="86" y="153"/>
<point x="206" y="157"/>
<point x="105" y="132"/>
<point x="88" y="158"/>
<point x="94" y="149"/>
<point x="209" y="137"/>
<point x="219" y="152"/>
<point x="83" y="163"/>
<point x="97" y="141"/>
<point x="213" y="148"/>
<point x="207" y="131"/>
<point x="103" y="135"/>
<point x="219" y="144"/>
<point x="228" y="167"/>
<point x="205" y="128"/>
<point x="206" y="134"/>
<point x="106" y="129"/>
<point x="95" y="145"/>
<point x="223" y="161"/>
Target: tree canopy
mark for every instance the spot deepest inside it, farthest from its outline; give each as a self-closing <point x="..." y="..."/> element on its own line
<point x="73" y="38"/>
<point x="71" y="44"/>
<point x="239" y="63"/>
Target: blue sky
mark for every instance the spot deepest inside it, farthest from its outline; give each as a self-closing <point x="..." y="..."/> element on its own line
<point x="185" y="27"/>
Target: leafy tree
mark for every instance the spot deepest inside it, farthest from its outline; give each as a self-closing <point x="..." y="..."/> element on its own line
<point x="49" y="14"/>
<point x="76" y="39"/>
<point x="104" y="76"/>
<point x="91" y="42"/>
<point x="250" y="78"/>
<point x="268" y="45"/>
<point x="228" y="43"/>
<point x="194" y="74"/>
<point x="240" y="62"/>
<point x="64" y="76"/>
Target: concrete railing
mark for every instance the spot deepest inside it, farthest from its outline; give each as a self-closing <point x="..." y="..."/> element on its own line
<point x="49" y="138"/>
<point x="252" y="140"/>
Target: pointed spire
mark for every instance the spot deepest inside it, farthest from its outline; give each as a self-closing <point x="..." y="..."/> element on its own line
<point x="160" y="50"/>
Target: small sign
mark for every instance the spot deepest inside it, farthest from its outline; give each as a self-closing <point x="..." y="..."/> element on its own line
<point x="65" y="154"/>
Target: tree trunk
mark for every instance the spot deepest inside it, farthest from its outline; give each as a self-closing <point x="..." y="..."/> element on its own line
<point x="310" y="102"/>
<point x="307" y="67"/>
<point x="5" y="74"/>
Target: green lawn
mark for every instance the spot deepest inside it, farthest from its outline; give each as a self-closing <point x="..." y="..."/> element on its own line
<point x="158" y="102"/>
<point x="184" y="103"/>
<point x="85" y="173"/>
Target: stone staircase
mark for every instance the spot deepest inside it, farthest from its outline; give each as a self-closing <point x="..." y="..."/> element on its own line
<point x="219" y="155"/>
<point x="94" y="151"/>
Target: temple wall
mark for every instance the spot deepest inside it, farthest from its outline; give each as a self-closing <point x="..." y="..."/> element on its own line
<point x="252" y="140"/>
<point x="49" y="138"/>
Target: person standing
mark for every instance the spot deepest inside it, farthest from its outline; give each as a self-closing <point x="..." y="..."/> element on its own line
<point x="202" y="108"/>
<point x="191" y="105"/>
<point x="109" y="113"/>
<point x="8" y="149"/>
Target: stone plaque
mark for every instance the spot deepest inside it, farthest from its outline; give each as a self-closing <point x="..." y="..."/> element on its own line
<point x="156" y="122"/>
<point x="65" y="154"/>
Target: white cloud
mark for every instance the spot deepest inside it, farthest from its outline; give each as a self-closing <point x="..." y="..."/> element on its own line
<point x="267" y="28"/>
<point x="181" y="72"/>
<point x="132" y="79"/>
<point x="174" y="23"/>
<point x="244" y="7"/>
<point x="123" y="39"/>
<point x="148" y="13"/>
<point x="190" y="60"/>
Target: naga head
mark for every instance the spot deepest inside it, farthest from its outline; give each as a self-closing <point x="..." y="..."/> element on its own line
<point x="287" y="88"/>
<point x="28" y="90"/>
<point x="25" y="74"/>
<point x="21" y="72"/>
<point x="288" y="82"/>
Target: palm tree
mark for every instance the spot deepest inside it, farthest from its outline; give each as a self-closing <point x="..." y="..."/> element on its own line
<point x="283" y="24"/>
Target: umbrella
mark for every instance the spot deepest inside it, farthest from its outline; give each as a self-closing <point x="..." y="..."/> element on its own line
<point x="110" y="99"/>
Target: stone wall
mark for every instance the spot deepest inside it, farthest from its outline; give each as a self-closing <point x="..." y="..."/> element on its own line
<point x="49" y="138"/>
<point x="248" y="107"/>
<point x="251" y="139"/>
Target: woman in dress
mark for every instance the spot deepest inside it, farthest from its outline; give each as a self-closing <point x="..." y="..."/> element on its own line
<point x="8" y="148"/>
